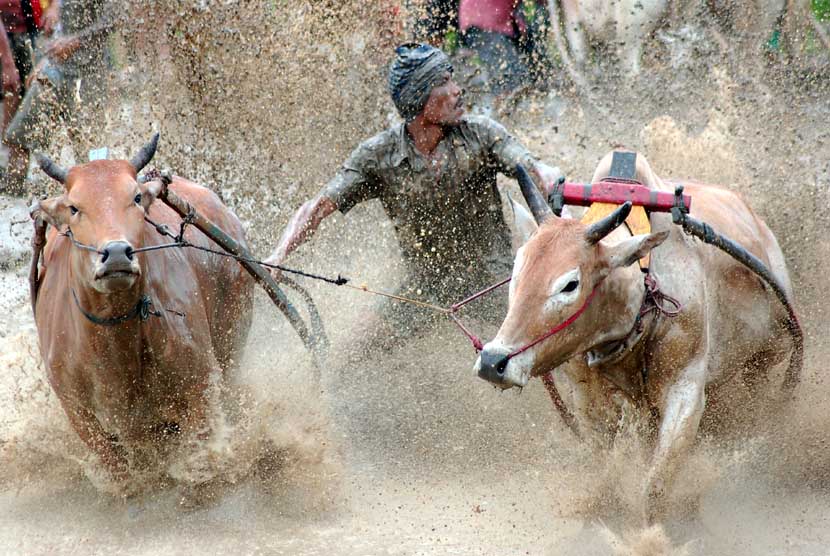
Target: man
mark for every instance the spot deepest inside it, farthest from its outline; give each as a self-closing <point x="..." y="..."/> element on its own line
<point x="72" y="72"/>
<point x="435" y="175"/>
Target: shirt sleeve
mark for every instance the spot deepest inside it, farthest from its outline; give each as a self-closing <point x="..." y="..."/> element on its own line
<point x="356" y="181"/>
<point x="505" y="149"/>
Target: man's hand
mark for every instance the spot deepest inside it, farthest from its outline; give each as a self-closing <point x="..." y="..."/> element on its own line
<point x="548" y="176"/>
<point x="62" y="48"/>
<point x="50" y="19"/>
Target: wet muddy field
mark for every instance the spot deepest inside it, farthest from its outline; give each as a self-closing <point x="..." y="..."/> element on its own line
<point x="411" y="453"/>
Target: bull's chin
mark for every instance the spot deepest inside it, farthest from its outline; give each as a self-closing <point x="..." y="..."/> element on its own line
<point x="513" y="378"/>
<point x="115" y="281"/>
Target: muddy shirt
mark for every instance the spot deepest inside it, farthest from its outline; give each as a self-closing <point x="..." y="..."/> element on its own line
<point x="445" y="207"/>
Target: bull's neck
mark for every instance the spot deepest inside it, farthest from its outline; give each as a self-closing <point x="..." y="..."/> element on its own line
<point x="105" y="307"/>
<point x="620" y="299"/>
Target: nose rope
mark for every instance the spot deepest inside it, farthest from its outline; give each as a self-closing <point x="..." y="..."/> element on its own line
<point x="68" y="233"/>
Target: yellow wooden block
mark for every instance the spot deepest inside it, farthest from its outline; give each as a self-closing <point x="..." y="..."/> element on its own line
<point x="637" y="221"/>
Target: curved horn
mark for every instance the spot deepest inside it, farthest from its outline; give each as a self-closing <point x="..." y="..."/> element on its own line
<point x="51" y="168"/>
<point x="537" y="204"/>
<point x="602" y="228"/>
<point x="146" y="153"/>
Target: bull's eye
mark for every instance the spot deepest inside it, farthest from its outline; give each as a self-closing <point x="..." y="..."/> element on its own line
<point x="137" y="198"/>
<point x="73" y="209"/>
<point x="571" y="286"/>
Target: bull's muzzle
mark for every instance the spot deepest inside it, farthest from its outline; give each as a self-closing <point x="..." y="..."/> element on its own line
<point x="492" y="365"/>
<point x="117" y="259"/>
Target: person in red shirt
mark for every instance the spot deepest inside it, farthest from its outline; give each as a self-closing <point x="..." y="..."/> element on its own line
<point x="508" y="36"/>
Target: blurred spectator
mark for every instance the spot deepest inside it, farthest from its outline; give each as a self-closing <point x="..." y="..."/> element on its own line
<point x="21" y="21"/>
<point x="508" y="36"/>
<point x="72" y="71"/>
<point x="11" y="78"/>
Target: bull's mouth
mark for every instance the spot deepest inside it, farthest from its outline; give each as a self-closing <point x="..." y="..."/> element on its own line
<point x="116" y="274"/>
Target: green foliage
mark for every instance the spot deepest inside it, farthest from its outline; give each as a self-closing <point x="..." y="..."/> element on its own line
<point x="450" y="41"/>
<point x="821" y="9"/>
<point x="529" y="10"/>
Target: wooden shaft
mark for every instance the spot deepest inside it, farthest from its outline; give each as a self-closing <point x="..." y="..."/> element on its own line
<point x="260" y="275"/>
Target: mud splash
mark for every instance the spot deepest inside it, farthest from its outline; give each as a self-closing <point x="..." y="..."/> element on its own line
<point x="410" y="454"/>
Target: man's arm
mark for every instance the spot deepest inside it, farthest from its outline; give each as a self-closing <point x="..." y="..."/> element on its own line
<point x="508" y="152"/>
<point x="62" y="48"/>
<point x="354" y="183"/>
<point x="11" y="79"/>
<point x="301" y="228"/>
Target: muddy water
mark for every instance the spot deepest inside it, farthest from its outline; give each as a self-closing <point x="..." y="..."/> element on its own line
<point x="409" y="453"/>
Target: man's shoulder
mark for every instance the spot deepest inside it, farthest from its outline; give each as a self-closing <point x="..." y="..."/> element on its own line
<point x="386" y="140"/>
<point x="480" y="123"/>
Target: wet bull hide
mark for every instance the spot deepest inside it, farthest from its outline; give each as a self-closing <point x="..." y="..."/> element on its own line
<point x="609" y="362"/>
<point x="135" y="343"/>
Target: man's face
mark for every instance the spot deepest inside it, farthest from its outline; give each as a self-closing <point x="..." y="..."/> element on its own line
<point x="445" y="105"/>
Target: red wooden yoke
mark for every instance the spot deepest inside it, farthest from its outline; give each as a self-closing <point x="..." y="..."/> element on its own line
<point x="615" y="191"/>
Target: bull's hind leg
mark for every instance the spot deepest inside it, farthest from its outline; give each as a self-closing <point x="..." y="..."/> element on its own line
<point x="756" y="370"/>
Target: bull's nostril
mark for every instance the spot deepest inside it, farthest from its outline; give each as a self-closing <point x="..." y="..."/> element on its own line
<point x="105" y="254"/>
<point x="129" y="253"/>
<point x="493" y="365"/>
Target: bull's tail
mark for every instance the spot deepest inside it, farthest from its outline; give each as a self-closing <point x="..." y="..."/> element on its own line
<point x="793" y="375"/>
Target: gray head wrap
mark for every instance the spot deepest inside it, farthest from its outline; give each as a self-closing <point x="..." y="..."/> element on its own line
<point x="414" y="72"/>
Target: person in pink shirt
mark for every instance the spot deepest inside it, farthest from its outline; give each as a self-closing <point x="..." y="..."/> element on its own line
<point x="508" y="36"/>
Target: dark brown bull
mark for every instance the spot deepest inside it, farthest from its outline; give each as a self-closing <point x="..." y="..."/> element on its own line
<point x="135" y="343"/>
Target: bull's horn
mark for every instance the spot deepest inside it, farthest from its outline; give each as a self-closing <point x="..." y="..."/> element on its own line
<point x="51" y="168"/>
<point x="538" y="207"/>
<point x="146" y="153"/>
<point x="602" y="228"/>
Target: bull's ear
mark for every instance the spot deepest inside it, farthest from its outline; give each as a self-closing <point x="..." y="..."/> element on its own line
<point x="525" y="224"/>
<point x="635" y="248"/>
<point x="149" y="192"/>
<point x="53" y="211"/>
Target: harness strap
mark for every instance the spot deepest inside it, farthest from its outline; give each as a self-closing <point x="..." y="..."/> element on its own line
<point x="655" y="300"/>
<point x="141" y="310"/>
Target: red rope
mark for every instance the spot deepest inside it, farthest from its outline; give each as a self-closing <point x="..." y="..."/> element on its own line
<point x="559" y="327"/>
<point x="478" y="344"/>
<point x="475" y="296"/>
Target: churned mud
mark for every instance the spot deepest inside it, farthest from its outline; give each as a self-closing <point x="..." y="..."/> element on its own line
<point x="410" y="453"/>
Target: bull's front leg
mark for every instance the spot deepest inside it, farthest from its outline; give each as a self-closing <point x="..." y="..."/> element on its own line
<point x="204" y="457"/>
<point x="681" y="411"/>
<point x="90" y="431"/>
<point x="598" y="406"/>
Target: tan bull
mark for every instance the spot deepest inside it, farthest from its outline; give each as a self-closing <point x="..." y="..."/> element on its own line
<point x="606" y="362"/>
<point x="134" y="343"/>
